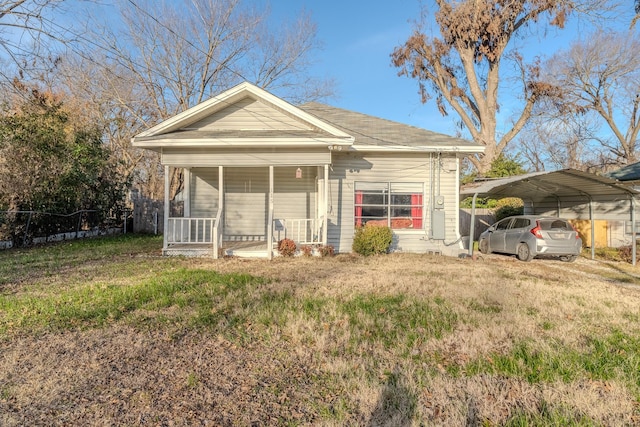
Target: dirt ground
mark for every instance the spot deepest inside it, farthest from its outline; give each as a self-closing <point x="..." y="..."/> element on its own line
<point x="122" y="375"/>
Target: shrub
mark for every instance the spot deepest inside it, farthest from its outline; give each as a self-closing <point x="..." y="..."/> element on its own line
<point x="508" y="206"/>
<point x="307" y="250"/>
<point x="286" y="247"/>
<point x="326" y="251"/>
<point x="372" y="240"/>
<point x="625" y="253"/>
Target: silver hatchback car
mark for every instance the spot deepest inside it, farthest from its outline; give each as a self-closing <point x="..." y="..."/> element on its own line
<point x="528" y="236"/>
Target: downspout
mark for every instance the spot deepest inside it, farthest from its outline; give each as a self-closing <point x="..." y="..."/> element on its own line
<point x="431" y="190"/>
<point x="326" y="205"/>
<point x="472" y="226"/>
<point x="457" y="210"/>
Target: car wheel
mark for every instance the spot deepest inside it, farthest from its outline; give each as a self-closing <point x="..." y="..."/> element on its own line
<point x="483" y="246"/>
<point x="524" y="253"/>
<point x="569" y="258"/>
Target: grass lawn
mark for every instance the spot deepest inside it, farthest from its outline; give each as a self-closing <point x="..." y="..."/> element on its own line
<point x="108" y="332"/>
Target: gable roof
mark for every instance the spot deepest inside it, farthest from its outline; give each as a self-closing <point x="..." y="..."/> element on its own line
<point x="274" y="120"/>
<point x="373" y="133"/>
<point x="247" y="115"/>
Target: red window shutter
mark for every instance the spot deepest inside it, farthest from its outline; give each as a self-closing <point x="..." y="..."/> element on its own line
<point x="416" y="210"/>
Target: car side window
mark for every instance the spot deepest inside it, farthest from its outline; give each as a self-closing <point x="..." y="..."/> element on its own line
<point x="503" y="225"/>
<point x="520" y="223"/>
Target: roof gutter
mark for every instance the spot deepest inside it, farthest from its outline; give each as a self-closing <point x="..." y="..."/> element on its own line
<point x="419" y="149"/>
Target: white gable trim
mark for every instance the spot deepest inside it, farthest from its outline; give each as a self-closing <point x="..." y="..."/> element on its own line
<point x="248" y="142"/>
<point x="240" y="91"/>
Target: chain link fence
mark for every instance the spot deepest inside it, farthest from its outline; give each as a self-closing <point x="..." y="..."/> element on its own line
<point x="27" y="228"/>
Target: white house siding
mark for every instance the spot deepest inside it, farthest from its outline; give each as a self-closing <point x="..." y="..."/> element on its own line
<point x="348" y="168"/>
<point x="246" y="193"/>
<point x="294" y="198"/>
<point x="204" y="192"/>
<point x="198" y="157"/>
<point x="249" y="114"/>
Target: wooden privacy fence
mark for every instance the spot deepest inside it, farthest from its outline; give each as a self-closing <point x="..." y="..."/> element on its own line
<point x="483" y="218"/>
<point x="148" y="214"/>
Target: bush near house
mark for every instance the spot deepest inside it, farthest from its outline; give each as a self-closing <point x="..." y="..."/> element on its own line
<point x="372" y="240"/>
<point x="53" y="164"/>
<point x="509" y="206"/>
<point x="287" y="247"/>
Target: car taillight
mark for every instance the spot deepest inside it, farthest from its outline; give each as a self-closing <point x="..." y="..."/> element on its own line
<point x="574" y="229"/>
<point x="537" y="231"/>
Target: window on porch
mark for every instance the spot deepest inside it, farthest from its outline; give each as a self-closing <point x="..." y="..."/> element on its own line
<point x="397" y="205"/>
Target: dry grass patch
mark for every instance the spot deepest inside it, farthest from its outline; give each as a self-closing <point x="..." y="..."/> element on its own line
<point x="384" y="340"/>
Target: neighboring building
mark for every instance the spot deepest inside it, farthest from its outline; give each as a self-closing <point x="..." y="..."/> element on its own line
<point x="258" y="169"/>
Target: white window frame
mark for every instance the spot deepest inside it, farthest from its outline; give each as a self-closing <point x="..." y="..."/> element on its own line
<point x="387" y="206"/>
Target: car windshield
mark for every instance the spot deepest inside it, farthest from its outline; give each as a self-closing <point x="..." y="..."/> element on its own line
<point x="555" y="224"/>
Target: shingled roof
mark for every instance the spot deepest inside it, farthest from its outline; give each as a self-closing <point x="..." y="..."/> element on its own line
<point x="370" y="131"/>
<point x="626" y="173"/>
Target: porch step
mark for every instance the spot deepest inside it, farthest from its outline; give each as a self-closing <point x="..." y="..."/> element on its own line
<point x="247" y="253"/>
<point x="188" y="252"/>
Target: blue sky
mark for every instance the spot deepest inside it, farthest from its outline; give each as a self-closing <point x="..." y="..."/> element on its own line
<point x="358" y="38"/>
<point x="360" y="35"/>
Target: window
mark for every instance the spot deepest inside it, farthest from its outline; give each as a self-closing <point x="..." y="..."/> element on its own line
<point x="520" y="223"/>
<point x="398" y="205"/>
<point x="504" y="224"/>
<point x="557" y="224"/>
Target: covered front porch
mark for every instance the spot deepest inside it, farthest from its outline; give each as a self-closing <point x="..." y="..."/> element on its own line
<point x="245" y="210"/>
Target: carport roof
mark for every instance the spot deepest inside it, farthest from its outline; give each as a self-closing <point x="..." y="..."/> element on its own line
<point x="537" y="186"/>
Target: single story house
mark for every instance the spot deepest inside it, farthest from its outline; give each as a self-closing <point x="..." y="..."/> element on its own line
<point x="258" y="169"/>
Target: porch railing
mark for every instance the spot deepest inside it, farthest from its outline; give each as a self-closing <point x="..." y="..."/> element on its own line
<point x="302" y="231"/>
<point x="191" y="230"/>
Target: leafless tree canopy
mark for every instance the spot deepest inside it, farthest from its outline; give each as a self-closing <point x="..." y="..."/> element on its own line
<point x="602" y="75"/>
<point x="461" y="68"/>
<point x="27" y="30"/>
<point x="164" y="57"/>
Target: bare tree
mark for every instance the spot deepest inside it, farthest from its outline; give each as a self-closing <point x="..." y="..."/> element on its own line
<point x="552" y="141"/>
<point x="602" y="74"/>
<point x="27" y="27"/>
<point x="462" y="67"/>
<point x="165" y="58"/>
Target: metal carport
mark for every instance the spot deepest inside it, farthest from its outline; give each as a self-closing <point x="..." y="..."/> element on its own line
<point x="566" y="193"/>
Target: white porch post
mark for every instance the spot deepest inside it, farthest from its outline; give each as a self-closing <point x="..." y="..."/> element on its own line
<point x="325" y="220"/>
<point x="186" y="196"/>
<point x="270" y="216"/>
<point x="167" y="203"/>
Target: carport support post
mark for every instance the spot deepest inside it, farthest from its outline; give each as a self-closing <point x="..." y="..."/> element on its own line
<point x="472" y="226"/>
<point x="633" y="230"/>
<point x="593" y="230"/>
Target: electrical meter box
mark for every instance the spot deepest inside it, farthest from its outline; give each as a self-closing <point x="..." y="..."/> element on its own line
<point x="437" y="224"/>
